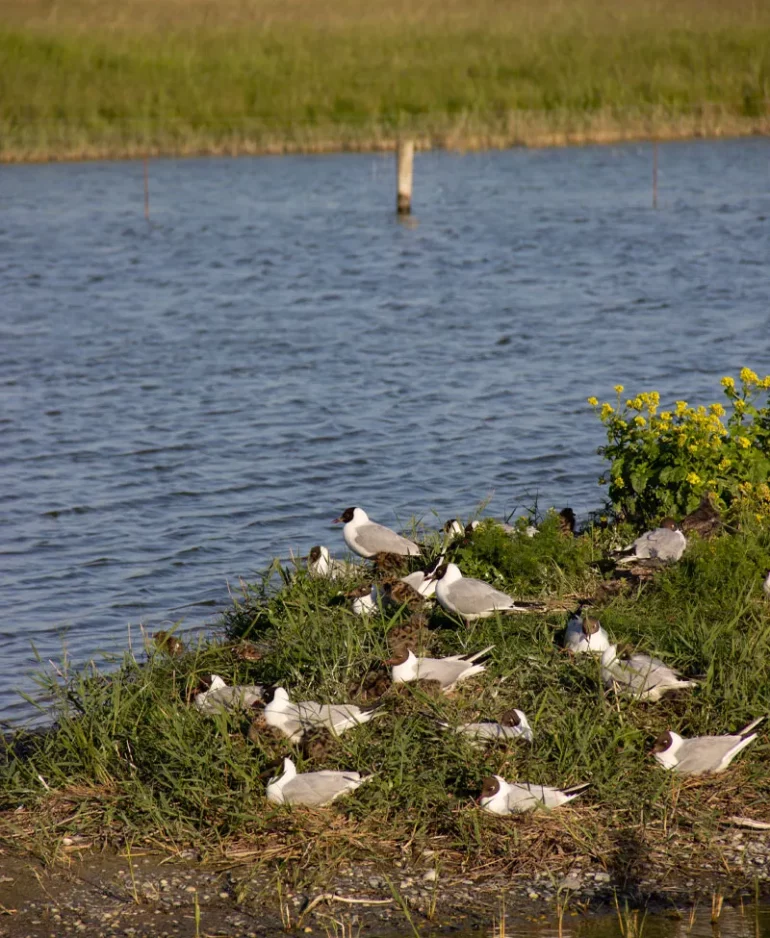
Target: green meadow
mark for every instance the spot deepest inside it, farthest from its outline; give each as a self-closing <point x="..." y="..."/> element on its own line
<point x="83" y="79"/>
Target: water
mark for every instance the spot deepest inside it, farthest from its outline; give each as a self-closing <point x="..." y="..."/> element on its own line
<point x="182" y="401"/>
<point x="739" y="921"/>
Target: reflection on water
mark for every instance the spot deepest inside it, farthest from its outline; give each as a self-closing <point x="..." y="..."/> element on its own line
<point x="182" y="401"/>
<point x="747" y="921"/>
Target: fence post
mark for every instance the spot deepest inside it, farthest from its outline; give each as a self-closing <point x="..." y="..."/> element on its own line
<point x="404" y="174"/>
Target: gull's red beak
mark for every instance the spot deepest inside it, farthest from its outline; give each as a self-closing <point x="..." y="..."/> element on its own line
<point x="337" y="521"/>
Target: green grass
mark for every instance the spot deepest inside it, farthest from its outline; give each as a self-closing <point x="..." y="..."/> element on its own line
<point x="126" y="79"/>
<point x="130" y="761"/>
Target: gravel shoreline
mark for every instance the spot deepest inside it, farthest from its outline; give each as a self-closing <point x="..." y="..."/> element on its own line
<point x="108" y="895"/>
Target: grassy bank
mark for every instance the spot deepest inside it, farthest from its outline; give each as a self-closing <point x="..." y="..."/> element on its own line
<point x="99" y="80"/>
<point x="131" y="764"/>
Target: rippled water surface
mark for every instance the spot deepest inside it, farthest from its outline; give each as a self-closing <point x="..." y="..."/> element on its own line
<point x="737" y="921"/>
<point x="181" y="401"/>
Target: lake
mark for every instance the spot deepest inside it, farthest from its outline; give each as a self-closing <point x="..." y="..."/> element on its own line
<point x="184" y="399"/>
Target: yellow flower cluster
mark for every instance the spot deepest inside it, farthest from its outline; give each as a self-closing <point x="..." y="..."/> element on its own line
<point x="671" y="456"/>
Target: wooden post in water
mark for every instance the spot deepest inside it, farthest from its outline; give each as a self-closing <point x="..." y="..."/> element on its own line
<point x="655" y="174"/>
<point x="404" y="173"/>
<point x="146" y="190"/>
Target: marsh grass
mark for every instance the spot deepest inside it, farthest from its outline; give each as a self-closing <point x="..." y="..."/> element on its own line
<point x="87" y="79"/>
<point x="129" y="763"/>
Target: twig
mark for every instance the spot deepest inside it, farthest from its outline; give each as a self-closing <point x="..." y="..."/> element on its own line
<point x="749" y="822"/>
<point x="333" y="897"/>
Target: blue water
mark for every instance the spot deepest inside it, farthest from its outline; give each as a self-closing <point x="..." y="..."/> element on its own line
<point x="180" y="401"/>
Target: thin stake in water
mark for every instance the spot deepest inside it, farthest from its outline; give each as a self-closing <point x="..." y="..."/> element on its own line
<point x="655" y="174"/>
<point x="146" y="189"/>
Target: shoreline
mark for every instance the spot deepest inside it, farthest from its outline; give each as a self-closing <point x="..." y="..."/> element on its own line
<point x="141" y="892"/>
<point x="530" y="132"/>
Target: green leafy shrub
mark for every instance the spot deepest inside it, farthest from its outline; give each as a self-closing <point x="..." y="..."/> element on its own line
<point x="663" y="463"/>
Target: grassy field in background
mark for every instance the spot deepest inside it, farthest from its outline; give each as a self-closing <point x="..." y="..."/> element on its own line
<point x="87" y="79"/>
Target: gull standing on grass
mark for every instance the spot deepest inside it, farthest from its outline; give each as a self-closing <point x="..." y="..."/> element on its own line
<point x="513" y="725"/>
<point x="640" y="675"/>
<point x="367" y="538"/>
<point x="501" y="797"/>
<point x="701" y="755"/>
<point x="665" y="543"/>
<point x="315" y="789"/>
<point x="218" y="697"/>
<point x="295" y="719"/>
<point x="585" y="635"/>
<point x="447" y="671"/>
<point x="469" y="598"/>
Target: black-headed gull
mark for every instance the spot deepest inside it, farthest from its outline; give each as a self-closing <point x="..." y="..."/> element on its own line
<point x="293" y="719"/>
<point x="315" y="789"/>
<point x="219" y="697"/>
<point x="320" y="563"/>
<point x="469" y="598"/>
<point x="447" y="671"/>
<point x="666" y="543"/>
<point x="640" y="675"/>
<point x="585" y="635"/>
<point x="701" y="755"/>
<point x="513" y="724"/>
<point x="501" y="797"/>
<point x="366" y="538"/>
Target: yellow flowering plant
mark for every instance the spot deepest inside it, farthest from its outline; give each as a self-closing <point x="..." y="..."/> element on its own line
<point x="663" y="462"/>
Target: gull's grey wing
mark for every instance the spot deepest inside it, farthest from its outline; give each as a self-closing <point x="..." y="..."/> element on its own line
<point x="338" y="715"/>
<point x="653" y="670"/>
<point x="319" y="788"/>
<point x="665" y="544"/>
<point x="704" y="754"/>
<point x="524" y="797"/>
<point x="446" y="671"/>
<point x="475" y="596"/>
<point x="660" y="544"/>
<point x="375" y="538"/>
<point x="490" y="731"/>
<point x="231" y="698"/>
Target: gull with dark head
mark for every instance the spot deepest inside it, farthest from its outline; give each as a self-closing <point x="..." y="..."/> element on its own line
<point x="314" y="789"/>
<point x="501" y="797"/>
<point x="294" y="719"/>
<point x="367" y="538"/>
<point x="469" y="598"/>
<point x="447" y="671"/>
<point x="666" y="543"/>
<point x="701" y="755"/>
<point x="640" y="675"/>
<point x="585" y="635"/>
<point x="320" y="563"/>
<point x="513" y="724"/>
